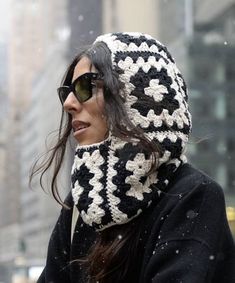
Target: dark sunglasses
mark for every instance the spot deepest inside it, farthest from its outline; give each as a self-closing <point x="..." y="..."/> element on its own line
<point x="82" y="87"/>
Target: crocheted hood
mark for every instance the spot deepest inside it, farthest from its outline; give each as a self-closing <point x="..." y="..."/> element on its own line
<point x="110" y="181"/>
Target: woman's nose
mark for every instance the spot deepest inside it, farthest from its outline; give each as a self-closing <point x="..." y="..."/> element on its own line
<point x="71" y="103"/>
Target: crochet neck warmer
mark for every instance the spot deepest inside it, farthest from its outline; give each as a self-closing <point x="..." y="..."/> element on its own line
<point x="110" y="180"/>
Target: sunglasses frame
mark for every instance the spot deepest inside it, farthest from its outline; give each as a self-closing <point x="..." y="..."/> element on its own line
<point x="67" y="89"/>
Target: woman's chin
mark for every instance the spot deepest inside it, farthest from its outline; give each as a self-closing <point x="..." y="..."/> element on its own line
<point x="84" y="137"/>
<point x="84" y="142"/>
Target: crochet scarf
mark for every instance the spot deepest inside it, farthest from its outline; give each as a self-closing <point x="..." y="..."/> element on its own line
<point x="110" y="180"/>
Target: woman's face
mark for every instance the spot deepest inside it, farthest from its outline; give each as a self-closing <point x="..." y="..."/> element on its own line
<point x="88" y="121"/>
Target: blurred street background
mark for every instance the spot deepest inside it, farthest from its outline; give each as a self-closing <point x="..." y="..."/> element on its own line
<point x="38" y="39"/>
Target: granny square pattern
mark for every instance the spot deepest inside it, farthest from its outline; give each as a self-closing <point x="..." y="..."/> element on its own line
<point x="110" y="180"/>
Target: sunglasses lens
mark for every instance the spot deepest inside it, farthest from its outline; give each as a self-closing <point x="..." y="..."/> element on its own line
<point x="83" y="89"/>
<point x="63" y="93"/>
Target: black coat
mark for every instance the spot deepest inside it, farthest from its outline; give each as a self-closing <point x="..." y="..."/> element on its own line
<point x="186" y="238"/>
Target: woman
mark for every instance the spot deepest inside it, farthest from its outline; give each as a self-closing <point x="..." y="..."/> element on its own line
<point x="143" y="213"/>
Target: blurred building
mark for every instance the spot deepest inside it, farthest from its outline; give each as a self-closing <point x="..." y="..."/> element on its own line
<point x="212" y="72"/>
<point x="85" y="21"/>
<point x="121" y="15"/>
<point x="37" y="40"/>
<point x="202" y="39"/>
<point x="212" y="82"/>
<point x="3" y="69"/>
<point x="6" y="227"/>
<point x="39" y="211"/>
<point x="21" y="66"/>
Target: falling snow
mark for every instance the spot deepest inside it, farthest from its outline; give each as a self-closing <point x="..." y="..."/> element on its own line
<point x="191" y="214"/>
<point x="80" y="18"/>
<point x="119" y="237"/>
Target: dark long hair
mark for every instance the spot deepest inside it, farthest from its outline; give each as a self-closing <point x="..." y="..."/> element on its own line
<point x="106" y="256"/>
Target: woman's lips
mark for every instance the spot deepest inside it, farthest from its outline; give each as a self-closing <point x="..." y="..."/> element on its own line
<point x="79" y="132"/>
<point x="79" y="126"/>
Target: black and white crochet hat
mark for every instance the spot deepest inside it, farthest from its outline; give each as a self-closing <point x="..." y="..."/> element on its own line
<point x="110" y="184"/>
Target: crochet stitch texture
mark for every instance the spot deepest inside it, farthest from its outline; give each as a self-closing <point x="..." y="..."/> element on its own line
<point x="110" y="184"/>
